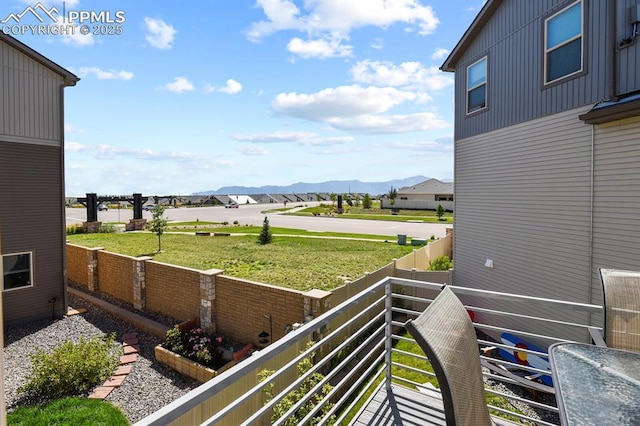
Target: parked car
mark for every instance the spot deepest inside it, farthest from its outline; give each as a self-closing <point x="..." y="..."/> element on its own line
<point x="102" y="207"/>
<point x="231" y="206"/>
<point x="149" y="207"/>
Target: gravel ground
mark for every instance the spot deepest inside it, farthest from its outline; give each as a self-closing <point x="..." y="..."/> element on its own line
<point x="149" y="387"/>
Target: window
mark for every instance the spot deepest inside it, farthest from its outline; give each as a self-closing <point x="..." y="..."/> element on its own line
<point x="17" y="270"/>
<point x="477" y="86"/>
<point x="563" y="43"/>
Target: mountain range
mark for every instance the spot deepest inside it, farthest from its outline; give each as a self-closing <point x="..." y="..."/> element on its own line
<point x="333" y="186"/>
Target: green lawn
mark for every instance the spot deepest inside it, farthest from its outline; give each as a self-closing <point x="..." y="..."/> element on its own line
<point x="292" y="262"/>
<point x="69" y="411"/>
<point x="376" y="213"/>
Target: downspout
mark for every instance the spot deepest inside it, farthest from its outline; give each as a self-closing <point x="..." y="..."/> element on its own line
<point x="65" y="301"/>
<point x="591" y="202"/>
<point x="611" y="52"/>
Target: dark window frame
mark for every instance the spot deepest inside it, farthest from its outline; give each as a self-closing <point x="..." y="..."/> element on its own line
<point x="582" y="37"/>
<point x="6" y="273"/>
<point x="485" y="84"/>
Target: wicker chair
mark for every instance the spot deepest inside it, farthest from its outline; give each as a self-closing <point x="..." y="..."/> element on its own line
<point x="621" y="301"/>
<point x="446" y="335"/>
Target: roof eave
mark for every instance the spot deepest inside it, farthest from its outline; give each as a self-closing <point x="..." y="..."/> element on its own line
<point x="612" y="113"/>
<point x="476" y="26"/>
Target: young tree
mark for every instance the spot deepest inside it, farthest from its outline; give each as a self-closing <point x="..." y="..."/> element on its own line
<point x="366" y="202"/>
<point x="392" y="194"/>
<point x="265" y="236"/>
<point x="333" y="197"/>
<point x="440" y="211"/>
<point x="158" y="224"/>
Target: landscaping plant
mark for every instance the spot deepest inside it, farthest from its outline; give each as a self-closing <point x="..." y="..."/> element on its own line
<point x="194" y="344"/>
<point x="282" y="406"/>
<point x="265" y="236"/>
<point x="72" y="368"/>
<point x="441" y="263"/>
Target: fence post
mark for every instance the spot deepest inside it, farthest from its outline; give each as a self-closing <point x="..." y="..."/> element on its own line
<point x="92" y="268"/>
<point x="207" y="299"/>
<point x="140" y="282"/>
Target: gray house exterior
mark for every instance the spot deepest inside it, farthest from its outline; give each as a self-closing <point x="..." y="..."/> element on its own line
<point x="427" y="195"/>
<point x="547" y="152"/>
<point x="32" y="225"/>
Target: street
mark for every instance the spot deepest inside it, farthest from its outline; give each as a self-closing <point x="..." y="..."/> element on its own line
<point x="251" y="214"/>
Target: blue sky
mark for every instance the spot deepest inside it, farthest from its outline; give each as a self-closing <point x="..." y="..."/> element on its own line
<point x="194" y="96"/>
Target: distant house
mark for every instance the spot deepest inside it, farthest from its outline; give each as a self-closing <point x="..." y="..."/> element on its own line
<point x="426" y="195"/>
<point x="547" y="152"/>
<point x="32" y="223"/>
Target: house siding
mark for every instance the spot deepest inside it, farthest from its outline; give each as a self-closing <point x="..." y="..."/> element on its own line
<point x="616" y="198"/>
<point x="513" y="42"/>
<point x="628" y="70"/>
<point x="31" y="221"/>
<point x="528" y="183"/>
<point x="30" y="105"/>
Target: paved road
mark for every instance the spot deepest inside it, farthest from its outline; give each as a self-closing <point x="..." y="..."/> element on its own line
<point x="251" y="215"/>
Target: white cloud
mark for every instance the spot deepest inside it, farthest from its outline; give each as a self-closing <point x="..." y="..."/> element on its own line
<point x="300" y="138"/>
<point x="333" y="20"/>
<point x="68" y="128"/>
<point x="377" y="43"/>
<point x="231" y="88"/>
<point x="319" y="48"/>
<point x="343" y="101"/>
<point x="106" y="75"/>
<point x="179" y="85"/>
<point x="439" y="53"/>
<point x="159" y="33"/>
<point x="386" y="124"/>
<point x="409" y="75"/>
<point x="254" y="150"/>
<point x="109" y="152"/>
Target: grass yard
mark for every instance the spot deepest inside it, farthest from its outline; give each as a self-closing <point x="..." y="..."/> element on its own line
<point x="292" y="262"/>
<point x="376" y="213"/>
<point x="69" y="411"/>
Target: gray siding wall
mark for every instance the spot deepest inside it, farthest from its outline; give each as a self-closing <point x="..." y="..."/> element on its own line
<point x="31" y="218"/>
<point x="30" y="107"/>
<point x="617" y="198"/>
<point x="513" y="41"/>
<point x="523" y="201"/>
<point x="628" y="62"/>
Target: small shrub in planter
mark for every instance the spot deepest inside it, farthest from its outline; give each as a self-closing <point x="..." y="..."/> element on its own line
<point x="195" y="345"/>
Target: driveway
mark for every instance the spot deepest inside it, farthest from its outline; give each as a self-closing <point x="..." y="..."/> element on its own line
<point x="250" y="214"/>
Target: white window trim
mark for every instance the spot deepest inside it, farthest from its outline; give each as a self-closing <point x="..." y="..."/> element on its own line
<point x="469" y="89"/>
<point x="581" y="35"/>
<point x="30" y="253"/>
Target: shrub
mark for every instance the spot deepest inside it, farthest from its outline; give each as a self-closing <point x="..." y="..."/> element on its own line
<point x="282" y="406"/>
<point x="107" y="228"/>
<point x="265" y="236"/>
<point x="442" y="263"/>
<point x="72" y="368"/>
<point x="194" y="344"/>
<point x="75" y="229"/>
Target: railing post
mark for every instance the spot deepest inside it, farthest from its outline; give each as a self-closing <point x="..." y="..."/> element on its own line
<point x="388" y="329"/>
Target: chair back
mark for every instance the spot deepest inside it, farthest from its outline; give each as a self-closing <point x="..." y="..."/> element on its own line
<point x="446" y="335"/>
<point x="621" y="293"/>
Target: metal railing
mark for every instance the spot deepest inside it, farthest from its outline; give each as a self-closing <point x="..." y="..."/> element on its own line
<point x="327" y="369"/>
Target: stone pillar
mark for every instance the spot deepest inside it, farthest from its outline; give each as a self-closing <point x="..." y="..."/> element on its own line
<point x="140" y="282"/>
<point x="316" y="303"/>
<point x="207" y="299"/>
<point x="92" y="268"/>
<point x="91" y="227"/>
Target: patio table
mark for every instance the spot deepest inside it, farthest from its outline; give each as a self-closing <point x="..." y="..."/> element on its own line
<point x="596" y="385"/>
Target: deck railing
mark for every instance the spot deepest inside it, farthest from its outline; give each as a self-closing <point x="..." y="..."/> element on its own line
<point x="353" y="352"/>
